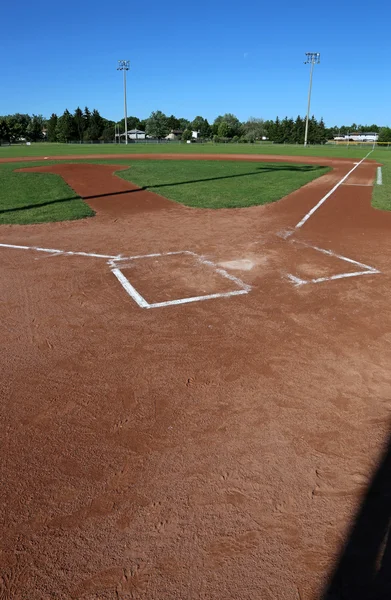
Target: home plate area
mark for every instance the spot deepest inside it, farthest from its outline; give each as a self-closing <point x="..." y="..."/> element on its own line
<point x="173" y="278"/>
<point x="157" y="280"/>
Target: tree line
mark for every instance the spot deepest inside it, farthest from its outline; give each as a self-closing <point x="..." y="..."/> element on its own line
<point x="89" y="126"/>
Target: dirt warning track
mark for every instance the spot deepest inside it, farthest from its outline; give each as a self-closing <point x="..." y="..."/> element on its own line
<point x="213" y="449"/>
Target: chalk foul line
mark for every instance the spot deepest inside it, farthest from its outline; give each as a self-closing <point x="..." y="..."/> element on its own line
<point x="330" y="193"/>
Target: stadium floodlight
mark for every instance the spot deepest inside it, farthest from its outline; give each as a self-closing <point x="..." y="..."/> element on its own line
<point x="123" y="65"/>
<point x="313" y="58"/>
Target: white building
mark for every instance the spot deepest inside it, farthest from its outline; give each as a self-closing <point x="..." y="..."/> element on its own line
<point x="358" y="137"/>
<point x="133" y="134"/>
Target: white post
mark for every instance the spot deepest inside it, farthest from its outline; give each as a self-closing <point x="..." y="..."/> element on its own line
<point x="123" y="65"/>
<point x="125" y="109"/>
<point x="308" y="105"/>
<point x="313" y="58"/>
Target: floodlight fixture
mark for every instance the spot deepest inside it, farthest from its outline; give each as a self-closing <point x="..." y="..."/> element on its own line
<point x="124" y="65"/>
<point x="312" y="58"/>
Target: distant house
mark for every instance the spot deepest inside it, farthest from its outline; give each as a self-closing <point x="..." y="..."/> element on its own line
<point x="136" y="134"/>
<point x="175" y="134"/>
<point x="195" y="135"/>
<point x="133" y="134"/>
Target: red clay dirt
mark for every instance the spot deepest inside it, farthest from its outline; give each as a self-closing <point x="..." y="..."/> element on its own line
<point x="218" y="449"/>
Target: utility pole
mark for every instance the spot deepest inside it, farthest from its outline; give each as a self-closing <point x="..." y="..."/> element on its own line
<point x="123" y="65"/>
<point x="313" y="58"/>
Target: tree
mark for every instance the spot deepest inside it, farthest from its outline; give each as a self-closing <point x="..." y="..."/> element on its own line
<point x="223" y="130"/>
<point x="298" y="132"/>
<point x="183" y="124"/>
<point x="17" y="125"/>
<point x="87" y="117"/>
<point x="157" y="125"/>
<point x="34" y="131"/>
<point x="216" y="123"/>
<point x="186" y="135"/>
<point x="173" y="123"/>
<point x="235" y="127"/>
<point x="233" y="123"/>
<point x="65" y="130"/>
<point x="95" y="128"/>
<point x="254" y="129"/>
<point x="108" y="132"/>
<point x="202" y="126"/>
<point x="143" y="124"/>
<point x="51" y="126"/>
<point x="385" y="134"/>
<point x="133" y="123"/>
<point x="80" y="123"/>
<point x="4" y="131"/>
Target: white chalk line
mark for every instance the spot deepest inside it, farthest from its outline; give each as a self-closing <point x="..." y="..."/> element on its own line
<point x="133" y="293"/>
<point x="335" y="255"/>
<point x="366" y="269"/>
<point x="319" y="204"/>
<point x="55" y="251"/>
<point x="359" y="184"/>
<point x="197" y="299"/>
<point x="379" y="179"/>
<point x="143" y="303"/>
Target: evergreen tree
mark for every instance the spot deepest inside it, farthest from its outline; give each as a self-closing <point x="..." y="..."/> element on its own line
<point x="80" y="123"/>
<point x="65" y="130"/>
<point x="95" y="127"/>
<point x="4" y="131"/>
<point x="51" y="126"/>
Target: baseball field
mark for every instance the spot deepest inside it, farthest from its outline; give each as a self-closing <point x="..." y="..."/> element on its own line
<point x="196" y="351"/>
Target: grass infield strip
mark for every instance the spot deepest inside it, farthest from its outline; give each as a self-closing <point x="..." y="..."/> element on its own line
<point x="37" y="197"/>
<point x="45" y="197"/>
<point x="220" y="184"/>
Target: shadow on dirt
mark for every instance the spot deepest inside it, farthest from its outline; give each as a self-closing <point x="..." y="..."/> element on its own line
<point x="260" y="171"/>
<point x="363" y="570"/>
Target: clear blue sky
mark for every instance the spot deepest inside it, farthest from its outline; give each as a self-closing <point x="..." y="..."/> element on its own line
<point x="205" y="57"/>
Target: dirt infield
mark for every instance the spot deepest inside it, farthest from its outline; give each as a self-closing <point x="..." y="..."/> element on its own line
<point x="212" y="449"/>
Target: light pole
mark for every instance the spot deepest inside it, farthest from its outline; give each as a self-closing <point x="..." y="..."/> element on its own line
<point x="313" y="58"/>
<point x="123" y="65"/>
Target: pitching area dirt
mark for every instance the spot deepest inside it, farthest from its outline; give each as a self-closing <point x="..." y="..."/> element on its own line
<point x="218" y="449"/>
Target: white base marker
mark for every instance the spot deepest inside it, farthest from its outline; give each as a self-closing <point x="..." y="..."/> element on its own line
<point x="379" y="179"/>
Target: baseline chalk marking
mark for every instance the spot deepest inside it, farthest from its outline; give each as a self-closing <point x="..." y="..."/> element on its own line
<point x="365" y="269"/>
<point x="114" y="261"/>
<point x="319" y="204"/>
<point x="55" y="251"/>
<point x="379" y="179"/>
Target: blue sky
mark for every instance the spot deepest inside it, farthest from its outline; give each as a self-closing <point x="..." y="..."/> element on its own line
<point x="198" y="58"/>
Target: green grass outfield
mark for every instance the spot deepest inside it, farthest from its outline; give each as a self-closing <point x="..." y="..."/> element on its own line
<point x="37" y="197"/>
<point x="42" y="197"/>
<point x="47" y="149"/>
<point x="12" y="193"/>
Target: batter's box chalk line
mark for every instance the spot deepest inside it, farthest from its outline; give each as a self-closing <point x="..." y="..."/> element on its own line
<point x="142" y="302"/>
<point x="364" y="269"/>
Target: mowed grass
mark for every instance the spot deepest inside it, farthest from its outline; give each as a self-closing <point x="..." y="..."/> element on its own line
<point x="381" y="197"/>
<point x="37" y="197"/>
<point x="220" y="184"/>
<point x="51" y="150"/>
